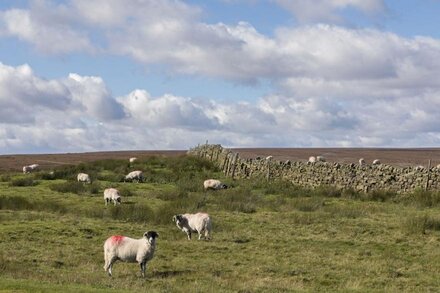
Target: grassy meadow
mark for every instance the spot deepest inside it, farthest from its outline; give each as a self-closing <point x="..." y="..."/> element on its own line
<point x="267" y="236"/>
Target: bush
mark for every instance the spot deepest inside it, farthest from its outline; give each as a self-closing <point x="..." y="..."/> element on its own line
<point x="23" y="182"/>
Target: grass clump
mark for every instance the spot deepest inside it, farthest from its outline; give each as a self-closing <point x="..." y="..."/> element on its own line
<point x="24" y="181"/>
<point x="76" y="187"/>
<point x="419" y="224"/>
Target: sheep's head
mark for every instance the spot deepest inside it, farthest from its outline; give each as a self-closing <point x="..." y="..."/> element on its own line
<point x="224" y="186"/>
<point x="118" y="200"/>
<point x="151" y="236"/>
<point x="178" y="219"/>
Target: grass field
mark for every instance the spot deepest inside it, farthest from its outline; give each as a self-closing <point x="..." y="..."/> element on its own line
<point x="267" y="237"/>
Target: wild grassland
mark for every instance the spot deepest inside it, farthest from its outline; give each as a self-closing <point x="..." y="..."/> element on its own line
<point x="267" y="237"/>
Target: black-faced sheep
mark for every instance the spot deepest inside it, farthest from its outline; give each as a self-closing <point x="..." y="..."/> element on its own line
<point x="214" y="184"/>
<point x="198" y="223"/>
<point x="30" y="168"/>
<point x="112" y="194"/>
<point x="129" y="250"/>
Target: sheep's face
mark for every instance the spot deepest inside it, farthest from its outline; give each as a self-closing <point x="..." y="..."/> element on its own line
<point x="118" y="200"/>
<point x="151" y="236"/>
<point x="224" y="186"/>
<point x="178" y="219"/>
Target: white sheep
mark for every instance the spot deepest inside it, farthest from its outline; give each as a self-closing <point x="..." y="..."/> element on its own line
<point x="362" y="162"/>
<point x="420" y="168"/>
<point x="83" y="177"/>
<point x="269" y="158"/>
<point x="214" y="184"/>
<point x="112" y="194"/>
<point x="320" y="158"/>
<point x="200" y="223"/>
<point x="30" y="168"/>
<point x="376" y="162"/>
<point x="312" y="159"/>
<point x="129" y="250"/>
<point x="132" y="160"/>
<point x="135" y="176"/>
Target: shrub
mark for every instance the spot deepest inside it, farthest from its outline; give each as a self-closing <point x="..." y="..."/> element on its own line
<point x="23" y="182"/>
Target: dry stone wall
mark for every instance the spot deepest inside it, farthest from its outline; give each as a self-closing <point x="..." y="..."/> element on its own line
<point x="344" y="176"/>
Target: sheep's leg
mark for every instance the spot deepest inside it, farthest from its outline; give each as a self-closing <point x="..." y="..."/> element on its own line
<point x="106" y="201"/>
<point x="207" y="234"/>
<point x="200" y="234"/>
<point x="189" y="235"/>
<point x="143" y="267"/>
<point x="110" y="265"/>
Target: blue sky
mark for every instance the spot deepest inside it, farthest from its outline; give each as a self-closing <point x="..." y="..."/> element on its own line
<point x="80" y="75"/>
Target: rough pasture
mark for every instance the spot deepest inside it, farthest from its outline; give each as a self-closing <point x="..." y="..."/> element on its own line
<point x="267" y="237"/>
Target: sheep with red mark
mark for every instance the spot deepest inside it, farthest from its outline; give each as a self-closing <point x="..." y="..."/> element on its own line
<point x="112" y="194"/>
<point x="131" y="250"/>
<point x="198" y="223"/>
<point x="83" y="177"/>
<point x="214" y="184"/>
<point x="135" y="176"/>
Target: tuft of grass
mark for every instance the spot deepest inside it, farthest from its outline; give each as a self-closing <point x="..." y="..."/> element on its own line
<point x="308" y="204"/>
<point x="380" y="195"/>
<point x="69" y="187"/>
<point x="24" y="181"/>
<point x="425" y="198"/>
<point x="419" y="224"/>
<point x="237" y="200"/>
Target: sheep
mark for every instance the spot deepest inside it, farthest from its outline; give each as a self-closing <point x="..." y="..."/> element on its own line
<point x="214" y="184"/>
<point x="112" y="194"/>
<point x="269" y="158"/>
<point x="129" y="250"/>
<point x="420" y="168"/>
<point x="362" y="162"/>
<point x="135" y="175"/>
<point x="30" y="168"/>
<point x="376" y="162"/>
<point x="200" y="223"/>
<point x="312" y="160"/>
<point x="132" y="160"/>
<point x="83" y="177"/>
<point x="320" y="159"/>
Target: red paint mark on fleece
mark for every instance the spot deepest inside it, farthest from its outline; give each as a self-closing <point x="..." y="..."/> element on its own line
<point x="117" y="239"/>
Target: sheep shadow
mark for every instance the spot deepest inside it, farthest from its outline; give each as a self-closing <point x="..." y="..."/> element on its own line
<point x="171" y="273"/>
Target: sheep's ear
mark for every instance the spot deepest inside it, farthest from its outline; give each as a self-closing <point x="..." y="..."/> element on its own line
<point x="174" y="218"/>
<point x="152" y="234"/>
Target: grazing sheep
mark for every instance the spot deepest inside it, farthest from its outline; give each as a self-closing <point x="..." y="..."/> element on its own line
<point x="135" y="176"/>
<point x="30" y="168"/>
<point x="200" y="223"/>
<point x="376" y="162"/>
<point x="320" y="159"/>
<point x="214" y="184"/>
<point x="362" y="162"/>
<point x="129" y="250"/>
<point x="312" y="160"/>
<point x="269" y="158"/>
<point x="83" y="177"/>
<point x="112" y="194"/>
<point x="132" y="160"/>
<point x="420" y="168"/>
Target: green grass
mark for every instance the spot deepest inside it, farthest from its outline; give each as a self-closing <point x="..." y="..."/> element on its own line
<point x="267" y="237"/>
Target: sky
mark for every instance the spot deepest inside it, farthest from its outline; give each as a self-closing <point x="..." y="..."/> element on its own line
<point x="81" y="75"/>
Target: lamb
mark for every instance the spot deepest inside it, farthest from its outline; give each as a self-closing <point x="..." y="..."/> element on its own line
<point x="129" y="250"/>
<point x="214" y="184"/>
<point x="376" y="162"/>
<point x="30" y="168"/>
<point x="135" y="176"/>
<point x="200" y="223"/>
<point x="312" y="160"/>
<point x="112" y="194"/>
<point x="362" y="162"/>
<point x="320" y="158"/>
<point x="83" y="177"/>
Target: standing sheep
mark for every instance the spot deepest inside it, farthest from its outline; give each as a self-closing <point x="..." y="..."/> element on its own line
<point x="362" y="162"/>
<point x="112" y="194"/>
<point x="129" y="250"/>
<point x="30" y="168"/>
<point x="376" y="162"/>
<point x="132" y="160"/>
<point x="214" y="184"/>
<point x="135" y="176"/>
<point x="83" y="177"/>
<point x="269" y="158"/>
<point x="200" y="223"/>
<point x="312" y="160"/>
